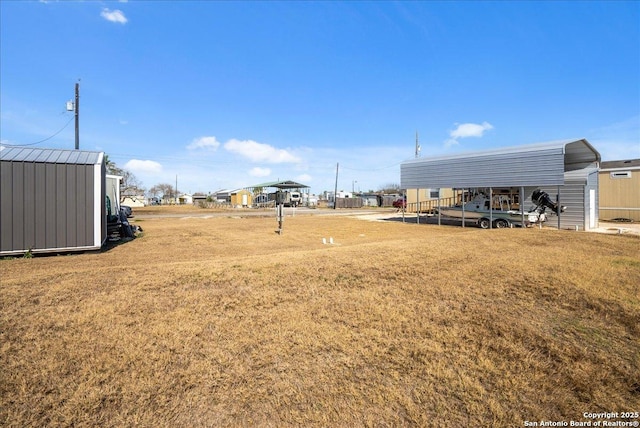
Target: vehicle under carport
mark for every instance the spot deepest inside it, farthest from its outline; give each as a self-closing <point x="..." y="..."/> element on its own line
<point x="568" y="168"/>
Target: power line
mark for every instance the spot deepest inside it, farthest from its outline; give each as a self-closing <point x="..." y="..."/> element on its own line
<point x="41" y="141"/>
<point x="372" y="169"/>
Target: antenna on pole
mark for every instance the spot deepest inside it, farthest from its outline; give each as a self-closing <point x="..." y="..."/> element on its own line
<point x="417" y="146"/>
<point x="77" y="110"/>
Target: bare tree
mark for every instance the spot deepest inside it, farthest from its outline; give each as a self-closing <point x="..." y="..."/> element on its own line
<point x="390" y="188"/>
<point x="164" y="191"/>
<point x="129" y="185"/>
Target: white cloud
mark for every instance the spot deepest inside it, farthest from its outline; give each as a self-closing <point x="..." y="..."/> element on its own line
<point x="114" y="16"/>
<point x="258" y="152"/>
<point x="465" y="130"/>
<point x="143" y="166"/>
<point x="260" y="172"/>
<point x="204" y="143"/>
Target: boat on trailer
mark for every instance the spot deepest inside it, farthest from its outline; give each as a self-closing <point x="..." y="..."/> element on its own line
<point x="498" y="210"/>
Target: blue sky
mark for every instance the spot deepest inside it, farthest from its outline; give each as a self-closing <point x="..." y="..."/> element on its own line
<point x="231" y="94"/>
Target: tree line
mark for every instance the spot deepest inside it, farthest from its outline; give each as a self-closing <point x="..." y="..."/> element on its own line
<point x="131" y="186"/>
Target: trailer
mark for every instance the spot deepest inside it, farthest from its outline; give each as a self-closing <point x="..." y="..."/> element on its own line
<point x="288" y="198"/>
<point x="499" y="210"/>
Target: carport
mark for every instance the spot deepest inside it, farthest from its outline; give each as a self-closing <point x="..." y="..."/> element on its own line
<point x="551" y="166"/>
<point x="264" y="197"/>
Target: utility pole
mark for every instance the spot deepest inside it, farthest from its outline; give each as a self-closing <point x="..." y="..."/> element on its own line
<point x="77" y="110"/>
<point x="417" y="190"/>
<point x="335" y="193"/>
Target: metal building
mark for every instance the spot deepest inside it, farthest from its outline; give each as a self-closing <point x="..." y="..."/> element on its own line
<point x="580" y="195"/>
<point x="51" y="200"/>
<point x="567" y="169"/>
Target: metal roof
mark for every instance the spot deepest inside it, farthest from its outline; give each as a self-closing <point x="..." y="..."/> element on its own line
<point x="620" y="164"/>
<point x="527" y="165"/>
<point x="580" y="175"/>
<point x="282" y="185"/>
<point x="36" y="155"/>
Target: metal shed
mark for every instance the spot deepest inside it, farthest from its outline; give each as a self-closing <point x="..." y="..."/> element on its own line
<point x="550" y="166"/>
<point x="51" y="200"/>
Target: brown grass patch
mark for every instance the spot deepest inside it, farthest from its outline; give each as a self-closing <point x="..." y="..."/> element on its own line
<point x="220" y="321"/>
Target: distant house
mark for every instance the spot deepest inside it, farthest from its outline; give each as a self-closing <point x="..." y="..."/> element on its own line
<point x="185" y="199"/>
<point x="370" y="199"/>
<point x="619" y="188"/>
<point x="134" y="201"/>
<point x="199" y="199"/>
<point x="428" y="199"/>
<point x="241" y="198"/>
<point x="309" y="200"/>
<point x="343" y="194"/>
<point x="222" y="196"/>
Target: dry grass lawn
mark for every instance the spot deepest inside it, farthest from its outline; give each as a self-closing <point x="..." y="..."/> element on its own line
<point x="222" y="322"/>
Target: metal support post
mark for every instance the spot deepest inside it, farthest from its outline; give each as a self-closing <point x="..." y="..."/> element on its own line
<point x="439" y="208"/>
<point x="490" y="207"/>
<point x="280" y="217"/>
<point x="463" y="219"/>
<point x="559" y="207"/>
<point x="522" y="204"/>
<point x="417" y="206"/>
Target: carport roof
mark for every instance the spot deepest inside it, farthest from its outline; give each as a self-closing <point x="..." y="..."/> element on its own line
<point x="528" y="165"/>
<point x="282" y="185"/>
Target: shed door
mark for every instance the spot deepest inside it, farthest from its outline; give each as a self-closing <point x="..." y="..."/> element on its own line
<point x="244" y="201"/>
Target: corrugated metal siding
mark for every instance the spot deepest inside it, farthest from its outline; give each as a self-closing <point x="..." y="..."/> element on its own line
<point x="6" y="216"/>
<point x="47" y="206"/>
<point x="571" y="196"/>
<point x="592" y="184"/>
<point x="529" y="168"/>
<point x="575" y="195"/>
<point x="529" y="165"/>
